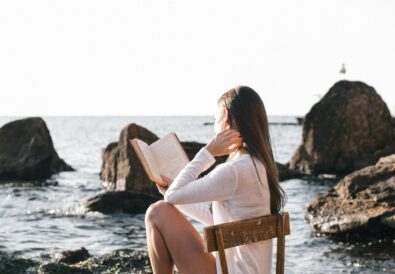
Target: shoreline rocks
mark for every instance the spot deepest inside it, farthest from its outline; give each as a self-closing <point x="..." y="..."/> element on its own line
<point x="72" y="256"/>
<point x="121" y="169"/>
<point x="348" y="129"/>
<point x="27" y="151"/>
<point x="130" y="202"/>
<point x="133" y="261"/>
<point x="10" y="264"/>
<point x="362" y="203"/>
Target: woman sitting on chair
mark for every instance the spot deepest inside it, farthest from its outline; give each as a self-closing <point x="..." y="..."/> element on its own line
<point x="245" y="186"/>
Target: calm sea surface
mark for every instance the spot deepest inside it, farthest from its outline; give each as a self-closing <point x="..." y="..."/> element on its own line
<point x="38" y="220"/>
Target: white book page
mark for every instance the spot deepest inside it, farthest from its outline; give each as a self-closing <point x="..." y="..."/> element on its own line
<point x="170" y="155"/>
<point x="150" y="160"/>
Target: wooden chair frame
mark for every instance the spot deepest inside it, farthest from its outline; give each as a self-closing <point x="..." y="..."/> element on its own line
<point x="222" y="236"/>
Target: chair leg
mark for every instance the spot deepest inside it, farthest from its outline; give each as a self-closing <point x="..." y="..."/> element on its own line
<point x="221" y="250"/>
<point x="280" y="244"/>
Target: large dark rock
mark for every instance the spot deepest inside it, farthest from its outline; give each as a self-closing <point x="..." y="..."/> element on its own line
<point x="72" y="256"/>
<point x="14" y="265"/>
<point x="27" y="151"/>
<point x="362" y="202"/>
<point x="120" y="202"/>
<point x="348" y="129"/>
<point x="121" y="169"/>
<point x="285" y="173"/>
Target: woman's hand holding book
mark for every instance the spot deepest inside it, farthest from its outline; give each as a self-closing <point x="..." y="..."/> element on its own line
<point x="162" y="189"/>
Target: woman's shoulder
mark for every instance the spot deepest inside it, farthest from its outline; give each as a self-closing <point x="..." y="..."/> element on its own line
<point x="247" y="162"/>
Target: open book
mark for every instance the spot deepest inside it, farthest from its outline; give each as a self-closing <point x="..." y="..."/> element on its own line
<point x="163" y="157"/>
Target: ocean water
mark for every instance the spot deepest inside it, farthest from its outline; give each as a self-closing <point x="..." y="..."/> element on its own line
<point x="37" y="220"/>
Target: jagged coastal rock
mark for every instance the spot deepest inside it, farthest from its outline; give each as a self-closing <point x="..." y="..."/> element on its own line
<point x="121" y="169"/>
<point x="362" y="202"/>
<point x="118" y="261"/>
<point x="348" y="129"/>
<point x="27" y="151"/>
<point x="110" y="202"/>
<point x="72" y="256"/>
<point x="10" y="264"/>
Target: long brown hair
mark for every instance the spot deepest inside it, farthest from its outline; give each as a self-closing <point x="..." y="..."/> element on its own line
<point x="247" y="114"/>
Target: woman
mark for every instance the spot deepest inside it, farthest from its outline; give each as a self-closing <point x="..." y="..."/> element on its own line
<point x="245" y="186"/>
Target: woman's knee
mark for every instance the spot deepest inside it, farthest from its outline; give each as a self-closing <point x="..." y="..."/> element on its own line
<point x="156" y="211"/>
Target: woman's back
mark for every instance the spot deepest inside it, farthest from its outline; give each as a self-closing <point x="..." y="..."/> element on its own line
<point x="251" y="198"/>
<point x="236" y="192"/>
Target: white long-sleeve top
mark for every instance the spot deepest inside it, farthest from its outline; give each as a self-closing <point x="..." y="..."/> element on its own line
<point x="236" y="193"/>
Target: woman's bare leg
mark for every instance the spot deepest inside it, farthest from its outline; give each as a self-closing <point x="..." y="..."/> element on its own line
<point x="172" y="239"/>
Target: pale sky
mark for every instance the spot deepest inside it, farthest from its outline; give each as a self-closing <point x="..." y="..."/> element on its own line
<point x="156" y="57"/>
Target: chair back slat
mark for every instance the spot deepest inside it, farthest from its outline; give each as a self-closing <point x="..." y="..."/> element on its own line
<point x="245" y="231"/>
<point x="280" y="244"/>
<point x="221" y="250"/>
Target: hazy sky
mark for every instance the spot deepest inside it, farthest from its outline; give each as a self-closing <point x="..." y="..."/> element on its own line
<point x="145" y="57"/>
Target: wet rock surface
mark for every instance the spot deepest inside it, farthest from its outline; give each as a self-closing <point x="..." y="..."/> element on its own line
<point x="348" y="129"/>
<point x="120" y="202"/>
<point x="363" y="202"/>
<point x="121" y="169"/>
<point x="72" y="256"/>
<point x="27" y="151"/>
<point x="118" y="261"/>
<point x="10" y="264"/>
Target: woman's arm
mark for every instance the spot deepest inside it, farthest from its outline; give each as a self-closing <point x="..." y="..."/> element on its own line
<point x="219" y="184"/>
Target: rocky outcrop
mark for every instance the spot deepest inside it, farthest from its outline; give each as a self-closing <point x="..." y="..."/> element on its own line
<point x="72" y="256"/>
<point x="120" y="202"/>
<point x="13" y="265"/>
<point x="60" y="268"/>
<point x="118" y="261"/>
<point x="348" y="129"/>
<point x="121" y="169"/>
<point x="362" y="202"/>
<point x="285" y="173"/>
<point x="27" y="151"/>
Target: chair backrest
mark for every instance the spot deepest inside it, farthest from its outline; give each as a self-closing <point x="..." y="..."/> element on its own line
<point x="222" y="236"/>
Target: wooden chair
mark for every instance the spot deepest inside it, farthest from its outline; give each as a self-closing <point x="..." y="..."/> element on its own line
<point x="226" y="235"/>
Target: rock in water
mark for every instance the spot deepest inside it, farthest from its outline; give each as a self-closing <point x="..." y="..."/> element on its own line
<point x="59" y="268"/>
<point x="121" y="169"/>
<point x="363" y="201"/>
<point x="72" y="256"/>
<point x="285" y="173"/>
<point x="27" y="151"/>
<point x="120" y="202"/>
<point x="122" y="261"/>
<point x="348" y="129"/>
<point x="10" y="264"/>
